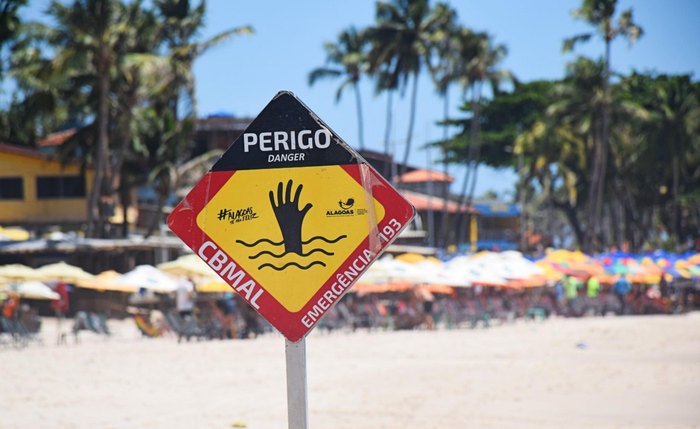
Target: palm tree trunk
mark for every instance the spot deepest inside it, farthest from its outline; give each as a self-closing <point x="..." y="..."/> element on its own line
<point x="360" y="123"/>
<point x="387" y="134"/>
<point x="572" y="217"/>
<point x="467" y="174"/>
<point x="675" y="172"/>
<point x="118" y="182"/>
<point x="475" y="131"/>
<point x="444" y="226"/>
<point x="102" y="174"/>
<point x="595" y="197"/>
<point x="411" y="122"/>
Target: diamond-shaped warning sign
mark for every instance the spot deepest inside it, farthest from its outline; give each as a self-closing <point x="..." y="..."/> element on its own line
<point x="290" y="216"/>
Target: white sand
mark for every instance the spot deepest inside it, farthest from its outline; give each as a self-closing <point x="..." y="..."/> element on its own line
<point x="632" y="372"/>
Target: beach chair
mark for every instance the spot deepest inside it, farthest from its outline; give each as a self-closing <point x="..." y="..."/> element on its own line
<point x="500" y="312"/>
<point x="330" y="321"/>
<point x="15" y="333"/>
<point x="346" y="318"/>
<point x="184" y="328"/>
<point x="146" y="327"/>
<point x="477" y="313"/>
<point x="85" y="321"/>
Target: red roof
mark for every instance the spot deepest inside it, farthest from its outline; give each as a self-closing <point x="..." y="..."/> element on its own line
<point x="22" y="150"/>
<point x="420" y="175"/>
<point x="56" y="139"/>
<point x="424" y="202"/>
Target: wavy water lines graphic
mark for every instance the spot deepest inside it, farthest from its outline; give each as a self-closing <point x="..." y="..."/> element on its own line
<point x="279" y="243"/>
<point x="278" y="265"/>
<point x="291" y="264"/>
<point x="283" y="254"/>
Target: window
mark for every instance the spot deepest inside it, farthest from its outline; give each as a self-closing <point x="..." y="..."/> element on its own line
<point x="11" y="188"/>
<point x="60" y="187"/>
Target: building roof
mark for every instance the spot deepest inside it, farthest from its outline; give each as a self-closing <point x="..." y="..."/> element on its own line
<point x="421" y="175"/>
<point x="23" y="151"/>
<point x="30" y="152"/>
<point x="424" y="202"/>
<point x="497" y="209"/>
<point x="57" y="138"/>
<point x="222" y="123"/>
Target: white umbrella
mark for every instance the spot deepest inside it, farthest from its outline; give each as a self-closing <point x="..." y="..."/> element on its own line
<point x="150" y="278"/>
<point x="379" y="272"/>
<point x="469" y="270"/>
<point x="34" y="290"/>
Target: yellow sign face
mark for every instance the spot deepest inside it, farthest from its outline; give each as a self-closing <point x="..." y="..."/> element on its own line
<point x="291" y="228"/>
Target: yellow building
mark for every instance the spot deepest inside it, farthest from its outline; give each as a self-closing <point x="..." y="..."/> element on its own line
<point x="36" y="188"/>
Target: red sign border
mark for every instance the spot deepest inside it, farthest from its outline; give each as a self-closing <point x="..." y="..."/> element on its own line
<point x="183" y="222"/>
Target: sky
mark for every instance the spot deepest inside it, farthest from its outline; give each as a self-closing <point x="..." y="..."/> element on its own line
<point x="242" y="75"/>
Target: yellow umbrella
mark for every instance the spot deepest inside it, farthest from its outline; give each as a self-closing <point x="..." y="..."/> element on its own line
<point x="106" y="281"/>
<point x="548" y="271"/>
<point x="15" y="234"/>
<point x="18" y="272"/>
<point x="190" y="266"/>
<point x="694" y="259"/>
<point x="410" y="258"/>
<point x="214" y="287"/>
<point x="63" y="271"/>
<point x="563" y="255"/>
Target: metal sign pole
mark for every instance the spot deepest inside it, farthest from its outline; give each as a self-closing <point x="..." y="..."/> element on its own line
<point x="297" y="406"/>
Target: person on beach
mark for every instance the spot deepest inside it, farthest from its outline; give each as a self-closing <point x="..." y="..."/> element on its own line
<point x="621" y="288"/>
<point x="592" y="287"/>
<point x="184" y="297"/>
<point x="571" y="286"/>
<point x="10" y="306"/>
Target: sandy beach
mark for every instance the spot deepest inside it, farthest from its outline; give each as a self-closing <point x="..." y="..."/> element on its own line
<point x="613" y="372"/>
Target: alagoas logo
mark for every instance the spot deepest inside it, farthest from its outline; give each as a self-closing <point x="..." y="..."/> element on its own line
<point x="345" y="208"/>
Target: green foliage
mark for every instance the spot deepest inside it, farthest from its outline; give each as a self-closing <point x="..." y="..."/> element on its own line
<point x="502" y="119"/>
<point x="120" y="73"/>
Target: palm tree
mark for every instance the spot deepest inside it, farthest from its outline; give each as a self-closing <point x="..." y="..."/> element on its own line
<point x="676" y="116"/>
<point x="175" y="113"/>
<point x="444" y="75"/>
<point x="402" y="43"/>
<point x="346" y="59"/>
<point x="9" y="25"/>
<point x="181" y="24"/>
<point x="480" y="66"/>
<point x="95" y="70"/>
<point x="600" y="13"/>
<point x="141" y="78"/>
<point x="84" y="41"/>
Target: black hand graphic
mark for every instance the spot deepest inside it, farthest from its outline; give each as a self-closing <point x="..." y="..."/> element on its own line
<point x="288" y="215"/>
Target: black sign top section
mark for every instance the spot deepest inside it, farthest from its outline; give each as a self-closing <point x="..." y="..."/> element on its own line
<point x="286" y="134"/>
